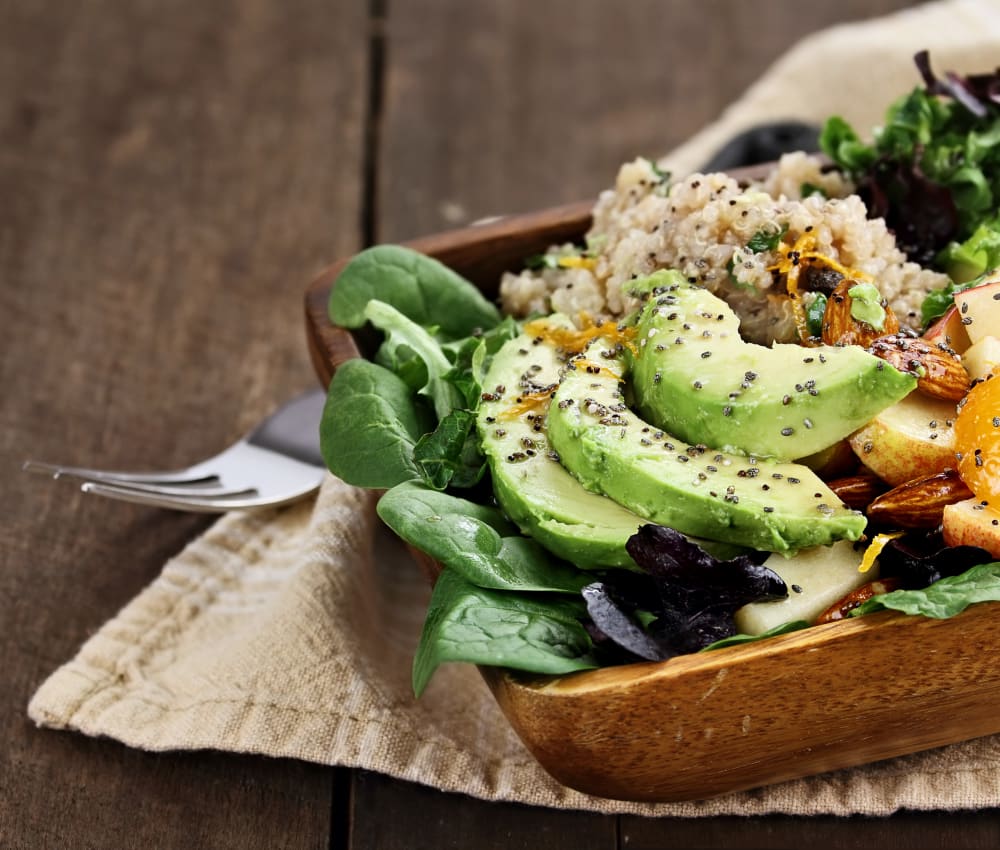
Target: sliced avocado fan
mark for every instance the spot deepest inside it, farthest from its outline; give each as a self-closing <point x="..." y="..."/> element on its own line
<point x="767" y="504"/>
<point x="694" y="376"/>
<point x="535" y="491"/>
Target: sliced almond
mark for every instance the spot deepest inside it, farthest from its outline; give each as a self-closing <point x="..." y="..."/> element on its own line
<point x="843" y="607"/>
<point x="858" y="491"/>
<point x="841" y="328"/>
<point x="939" y="371"/>
<point x="919" y="503"/>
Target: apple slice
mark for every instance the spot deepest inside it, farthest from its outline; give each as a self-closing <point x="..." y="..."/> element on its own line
<point x="972" y="523"/>
<point x="982" y="357"/>
<point x="979" y="308"/>
<point x="816" y="578"/>
<point x="910" y="439"/>
<point x="949" y="331"/>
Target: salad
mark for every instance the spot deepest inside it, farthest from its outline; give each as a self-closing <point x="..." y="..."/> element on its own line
<point x="731" y="412"/>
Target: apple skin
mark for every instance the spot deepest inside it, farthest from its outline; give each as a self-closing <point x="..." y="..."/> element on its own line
<point x="901" y="443"/>
<point x="979" y="308"/>
<point x="970" y="523"/>
<point x="982" y="357"/>
<point x="949" y="331"/>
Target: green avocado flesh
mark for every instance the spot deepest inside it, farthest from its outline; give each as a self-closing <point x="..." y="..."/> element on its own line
<point x="540" y="496"/>
<point x="694" y="376"/>
<point x="767" y="504"/>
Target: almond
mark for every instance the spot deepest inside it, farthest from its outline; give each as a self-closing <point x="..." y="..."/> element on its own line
<point x="939" y="371"/>
<point x="857" y="491"/>
<point x="843" y="607"/>
<point x="841" y="328"/>
<point x="919" y="503"/>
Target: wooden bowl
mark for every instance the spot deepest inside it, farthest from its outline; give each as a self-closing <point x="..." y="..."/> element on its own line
<point x="696" y="726"/>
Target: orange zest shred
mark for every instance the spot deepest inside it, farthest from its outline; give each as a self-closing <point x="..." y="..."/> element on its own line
<point x="527" y="402"/>
<point x="574" y="340"/>
<point x="576" y="262"/>
<point x="791" y="260"/>
<point x="875" y="549"/>
<point x="592" y="368"/>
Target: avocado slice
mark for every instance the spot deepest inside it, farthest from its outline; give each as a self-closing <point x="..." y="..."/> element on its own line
<point x="767" y="504"/>
<point x="541" y="497"/>
<point x="695" y="377"/>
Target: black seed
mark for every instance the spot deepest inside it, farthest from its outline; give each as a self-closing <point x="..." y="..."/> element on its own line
<point x="768" y="510"/>
<point x="786" y="399"/>
<point x="796" y="588"/>
<point x="787" y="432"/>
<point x="727" y="410"/>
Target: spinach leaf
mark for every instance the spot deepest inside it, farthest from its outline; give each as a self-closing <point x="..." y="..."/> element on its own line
<point x="475" y="541"/>
<point x="370" y="426"/>
<point x="422" y="289"/>
<point x="472" y="356"/>
<point x="944" y="598"/>
<point x="735" y="640"/>
<point x="404" y="334"/>
<point x="450" y="454"/>
<point x="479" y="626"/>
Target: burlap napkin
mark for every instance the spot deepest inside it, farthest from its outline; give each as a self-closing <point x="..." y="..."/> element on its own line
<point x="290" y="633"/>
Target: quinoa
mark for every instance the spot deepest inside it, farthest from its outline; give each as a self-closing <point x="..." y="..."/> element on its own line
<point x="702" y="226"/>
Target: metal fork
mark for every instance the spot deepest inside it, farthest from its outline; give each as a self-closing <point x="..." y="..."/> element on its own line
<point x="276" y="463"/>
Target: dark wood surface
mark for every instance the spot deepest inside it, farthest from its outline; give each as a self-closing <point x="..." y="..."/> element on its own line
<point x="172" y="174"/>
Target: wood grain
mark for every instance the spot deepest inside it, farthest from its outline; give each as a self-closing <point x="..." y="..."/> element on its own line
<point x="495" y="108"/>
<point x="171" y="173"/>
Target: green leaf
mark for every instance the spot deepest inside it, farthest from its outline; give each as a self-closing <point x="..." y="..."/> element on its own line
<point x="814" y="315"/>
<point x="421" y="288"/>
<point x="475" y="541"/>
<point x="807" y="190"/>
<point x="838" y="141"/>
<point x="407" y="336"/>
<point x="541" y="261"/>
<point x="965" y="261"/>
<point x="471" y="624"/>
<point x="450" y="453"/>
<point x="766" y="239"/>
<point x="735" y="640"/>
<point x="370" y="426"/>
<point x="944" y="598"/>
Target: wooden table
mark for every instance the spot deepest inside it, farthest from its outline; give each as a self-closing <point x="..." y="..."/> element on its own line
<point x="172" y="173"/>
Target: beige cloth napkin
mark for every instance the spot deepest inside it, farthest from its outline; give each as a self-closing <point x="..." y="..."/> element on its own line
<point x="290" y="633"/>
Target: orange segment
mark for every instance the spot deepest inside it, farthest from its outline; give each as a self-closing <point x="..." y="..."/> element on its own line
<point x="977" y="440"/>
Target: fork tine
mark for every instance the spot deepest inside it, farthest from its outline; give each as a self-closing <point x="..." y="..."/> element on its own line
<point x="181" y="503"/>
<point x="193" y="475"/>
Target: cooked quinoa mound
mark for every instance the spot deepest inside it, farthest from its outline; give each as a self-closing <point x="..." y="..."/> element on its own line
<point x="719" y="233"/>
